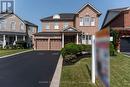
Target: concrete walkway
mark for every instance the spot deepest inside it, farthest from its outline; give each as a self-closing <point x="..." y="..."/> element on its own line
<point x="57" y="75"/>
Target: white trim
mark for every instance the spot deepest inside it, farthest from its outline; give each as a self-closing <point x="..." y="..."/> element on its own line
<point x="62" y="40"/>
<point x="4" y="41"/>
<point x="77" y="38"/>
<point x="90" y="6"/>
<point x="93" y="73"/>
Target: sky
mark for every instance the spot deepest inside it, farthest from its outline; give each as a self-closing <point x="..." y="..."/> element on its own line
<point x="34" y="10"/>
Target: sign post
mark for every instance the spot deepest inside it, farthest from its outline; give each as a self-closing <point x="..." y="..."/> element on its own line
<point x="93" y="60"/>
<point x="102" y="56"/>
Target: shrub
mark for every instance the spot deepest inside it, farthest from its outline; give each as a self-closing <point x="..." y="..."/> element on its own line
<point x="21" y="44"/>
<point x="87" y="48"/>
<point x="73" y="52"/>
<point x="6" y="47"/>
<point x="112" y="50"/>
<point x="70" y="49"/>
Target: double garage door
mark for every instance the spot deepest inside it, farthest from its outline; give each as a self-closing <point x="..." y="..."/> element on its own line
<point x="46" y="44"/>
<point x="125" y="44"/>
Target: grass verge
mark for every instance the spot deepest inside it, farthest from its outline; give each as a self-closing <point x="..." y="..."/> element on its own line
<point x="9" y="52"/>
<point x="78" y="75"/>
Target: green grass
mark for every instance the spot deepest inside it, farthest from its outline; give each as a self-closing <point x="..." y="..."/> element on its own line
<point x="120" y="71"/>
<point x="77" y="75"/>
<point x="9" y="52"/>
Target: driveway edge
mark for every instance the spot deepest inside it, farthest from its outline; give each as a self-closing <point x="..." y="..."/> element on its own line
<point x="15" y="54"/>
<point x="56" y="77"/>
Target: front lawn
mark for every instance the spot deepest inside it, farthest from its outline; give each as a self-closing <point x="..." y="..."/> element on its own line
<point x="78" y="75"/>
<point x="9" y="52"/>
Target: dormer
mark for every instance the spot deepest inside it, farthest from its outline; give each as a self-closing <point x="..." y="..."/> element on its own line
<point x="57" y="16"/>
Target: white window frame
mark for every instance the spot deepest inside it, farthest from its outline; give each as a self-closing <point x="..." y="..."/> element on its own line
<point x="81" y="21"/>
<point x="13" y="27"/>
<point x="21" y="26"/>
<point x="93" y="21"/>
<point x="87" y="20"/>
<point x="32" y="29"/>
<point x="47" y="26"/>
<point x="56" y="25"/>
<point x="66" y="24"/>
<point x="2" y="25"/>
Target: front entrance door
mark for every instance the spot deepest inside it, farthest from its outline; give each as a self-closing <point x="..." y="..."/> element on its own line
<point x="70" y="39"/>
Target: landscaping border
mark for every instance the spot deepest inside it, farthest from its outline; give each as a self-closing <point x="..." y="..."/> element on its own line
<point x="57" y="75"/>
<point x="16" y="53"/>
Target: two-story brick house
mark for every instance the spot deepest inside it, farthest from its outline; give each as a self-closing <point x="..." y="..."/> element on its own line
<point x="63" y="28"/>
<point x="13" y="28"/>
<point x="119" y="19"/>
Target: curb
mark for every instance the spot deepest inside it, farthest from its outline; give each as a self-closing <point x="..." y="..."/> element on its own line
<point x="125" y="55"/>
<point x="15" y="54"/>
<point x="56" y="77"/>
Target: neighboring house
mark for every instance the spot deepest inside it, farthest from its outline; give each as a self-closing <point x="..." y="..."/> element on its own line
<point x="119" y="20"/>
<point x="13" y="28"/>
<point x="60" y="29"/>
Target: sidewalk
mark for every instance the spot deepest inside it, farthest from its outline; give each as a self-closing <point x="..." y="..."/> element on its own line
<point x="16" y="53"/>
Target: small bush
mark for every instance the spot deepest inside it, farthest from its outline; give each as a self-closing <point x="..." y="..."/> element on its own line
<point x="6" y="47"/>
<point x="71" y="52"/>
<point x="87" y="48"/>
<point x="112" y="50"/>
<point x="21" y="44"/>
<point x="70" y="49"/>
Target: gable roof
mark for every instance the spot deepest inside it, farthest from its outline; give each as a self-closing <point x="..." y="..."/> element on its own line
<point x="29" y="23"/>
<point x="70" y="29"/>
<point x="63" y="16"/>
<point x="90" y="5"/>
<point x="3" y="16"/>
<point x="69" y="16"/>
<point x="112" y="14"/>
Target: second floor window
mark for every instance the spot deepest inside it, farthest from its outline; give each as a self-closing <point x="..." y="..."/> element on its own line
<point x="47" y="26"/>
<point x="32" y="29"/>
<point x="92" y="21"/>
<point x="87" y="21"/>
<point x="56" y="25"/>
<point x="65" y="24"/>
<point x="2" y="25"/>
<point x="21" y="26"/>
<point x="81" y="21"/>
<point x="13" y="24"/>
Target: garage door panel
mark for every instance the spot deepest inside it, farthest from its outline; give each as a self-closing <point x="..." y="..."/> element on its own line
<point x="55" y="44"/>
<point x="125" y="44"/>
<point x="42" y="44"/>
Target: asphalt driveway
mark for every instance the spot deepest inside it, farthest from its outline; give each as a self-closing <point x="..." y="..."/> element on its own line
<point x="32" y="69"/>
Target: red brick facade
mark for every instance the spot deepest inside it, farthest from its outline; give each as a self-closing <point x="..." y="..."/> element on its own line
<point x="121" y="23"/>
<point x="72" y="33"/>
